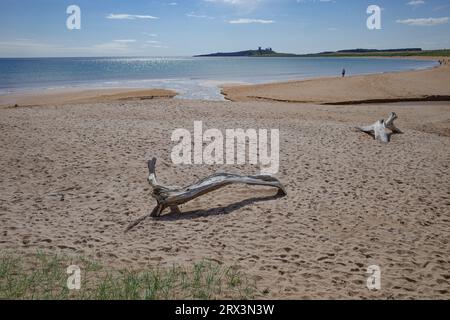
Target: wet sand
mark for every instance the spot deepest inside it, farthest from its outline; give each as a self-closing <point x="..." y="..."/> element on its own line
<point x="81" y="95"/>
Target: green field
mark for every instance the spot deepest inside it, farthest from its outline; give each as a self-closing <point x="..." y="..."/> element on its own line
<point x="427" y="53"/>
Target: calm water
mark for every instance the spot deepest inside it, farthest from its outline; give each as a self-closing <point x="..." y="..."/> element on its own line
<point x="193" y="78"/>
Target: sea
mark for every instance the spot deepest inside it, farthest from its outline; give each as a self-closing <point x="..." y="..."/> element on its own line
<point x="192" y="77"/>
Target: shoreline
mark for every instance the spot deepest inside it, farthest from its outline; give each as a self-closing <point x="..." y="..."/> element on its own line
<point x="82" y="96"/>
<point x="232" y="92"/>
<point x="389" y="87"/>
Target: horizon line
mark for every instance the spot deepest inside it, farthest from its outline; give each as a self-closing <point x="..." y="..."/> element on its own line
<point x="197" y="55"/>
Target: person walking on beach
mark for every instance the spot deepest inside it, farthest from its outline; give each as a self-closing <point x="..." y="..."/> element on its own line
<point x="343" y="73"/>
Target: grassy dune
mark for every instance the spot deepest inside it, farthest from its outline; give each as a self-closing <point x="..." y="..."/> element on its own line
<point x="44" y="277"/>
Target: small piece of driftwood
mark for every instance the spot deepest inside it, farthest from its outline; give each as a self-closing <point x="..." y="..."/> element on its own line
<point x="172" y="197"/>
<point x="378" y="129"/>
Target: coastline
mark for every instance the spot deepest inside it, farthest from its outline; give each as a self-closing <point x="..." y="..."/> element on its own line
<point x="419" y="85"/>
<point x="82" y="96"/>
<point x="314" y="90"/>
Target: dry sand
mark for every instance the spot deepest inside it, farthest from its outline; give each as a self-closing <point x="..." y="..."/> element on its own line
<point x="73" y="176"/>
<point x="431" y="84"/>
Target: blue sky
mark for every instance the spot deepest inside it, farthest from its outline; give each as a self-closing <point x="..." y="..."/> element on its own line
<point x="31" y="28"/>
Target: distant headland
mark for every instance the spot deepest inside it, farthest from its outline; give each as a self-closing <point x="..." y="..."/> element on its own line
<point x="260" y="52"/>
<point x="269" y="52"/>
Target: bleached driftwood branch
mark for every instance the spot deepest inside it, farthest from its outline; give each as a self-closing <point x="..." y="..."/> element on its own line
<point x="172" y="197"/>
<point x="378" y="129"/>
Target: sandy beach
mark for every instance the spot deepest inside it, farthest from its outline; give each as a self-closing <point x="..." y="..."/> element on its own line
<point x="74" y="176"/>
<point x="432" y="84"/>
<point x="81" y="95"/>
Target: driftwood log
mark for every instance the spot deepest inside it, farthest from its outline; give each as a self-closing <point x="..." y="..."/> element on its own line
<point x="378" y="129"/>
<point x="172" y="197"/>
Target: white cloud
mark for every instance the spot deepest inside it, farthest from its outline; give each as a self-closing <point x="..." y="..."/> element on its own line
<point x="242" y="5"/>
<point x="424" y="22"/>
<point x="247" y="21"/>
<point x="156" y="46"/>
<point x="33" y="48"/>
<point x="442" y="7"/>
<point x="126" y="16"/>
<point x="416" y="3"/>
<point x="125" y="40"/>
<point x="306" y="1"/>
<point x="234" y="2"/>
<point x="149" y="34"/>
<point x="199" y="16"/>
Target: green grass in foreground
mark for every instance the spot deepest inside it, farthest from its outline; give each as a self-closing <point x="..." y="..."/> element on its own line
<point x="44" y="277"/>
